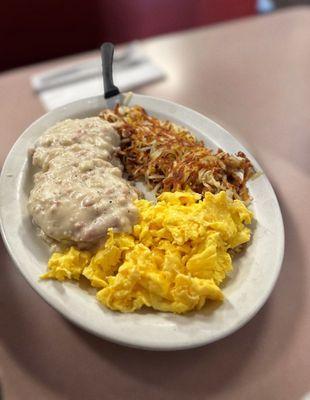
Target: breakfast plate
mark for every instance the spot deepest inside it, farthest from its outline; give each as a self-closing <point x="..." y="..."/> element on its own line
<point x="251" y="283"/>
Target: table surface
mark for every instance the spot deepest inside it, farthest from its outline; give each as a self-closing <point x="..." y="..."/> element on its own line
<point x="253" y="77"/>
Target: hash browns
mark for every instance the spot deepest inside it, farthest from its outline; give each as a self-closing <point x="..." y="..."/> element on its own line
<point x="169" y="158"/>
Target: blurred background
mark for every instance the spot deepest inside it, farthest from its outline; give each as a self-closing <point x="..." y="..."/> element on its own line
<point x="36" y="30"/>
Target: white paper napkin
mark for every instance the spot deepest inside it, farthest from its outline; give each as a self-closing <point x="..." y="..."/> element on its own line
<point x="84" y="79"/>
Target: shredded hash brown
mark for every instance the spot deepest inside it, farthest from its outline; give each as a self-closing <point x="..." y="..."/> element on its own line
<point x="168" y="157"/>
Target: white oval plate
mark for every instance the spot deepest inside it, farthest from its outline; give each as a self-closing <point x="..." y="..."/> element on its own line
<point x="255" y="272"/>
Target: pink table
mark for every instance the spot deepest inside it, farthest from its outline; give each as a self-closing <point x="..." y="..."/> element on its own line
<point x="253" y="77"/>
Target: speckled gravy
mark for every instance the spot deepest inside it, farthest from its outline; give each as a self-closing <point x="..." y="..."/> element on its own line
<point x="79" y="191"/>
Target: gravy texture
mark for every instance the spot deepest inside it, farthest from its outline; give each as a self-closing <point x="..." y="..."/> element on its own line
<point x="79" y="192"/>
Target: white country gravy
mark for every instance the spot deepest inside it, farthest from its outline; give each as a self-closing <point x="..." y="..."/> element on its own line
<point x="79" y="191"/>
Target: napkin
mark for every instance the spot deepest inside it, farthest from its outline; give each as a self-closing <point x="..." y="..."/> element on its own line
<point x="131" y="68"/>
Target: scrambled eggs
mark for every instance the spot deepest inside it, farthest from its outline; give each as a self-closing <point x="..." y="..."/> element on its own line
<point x="174" y="260"/>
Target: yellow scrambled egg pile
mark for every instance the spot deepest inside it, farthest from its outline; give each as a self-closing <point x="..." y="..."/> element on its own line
<point x="174" y="260"/>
